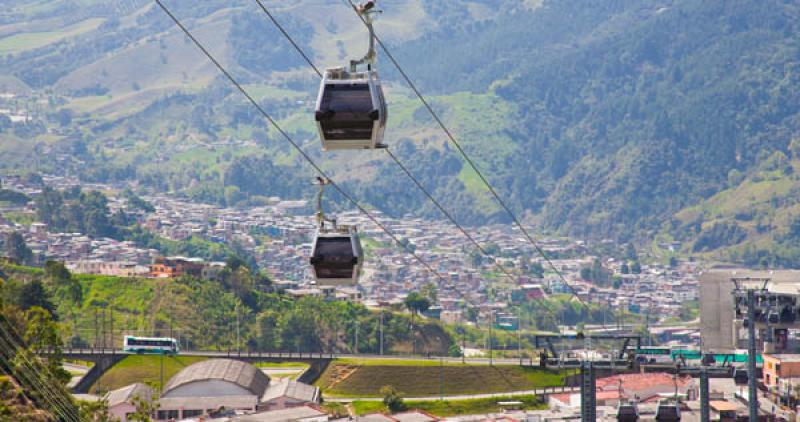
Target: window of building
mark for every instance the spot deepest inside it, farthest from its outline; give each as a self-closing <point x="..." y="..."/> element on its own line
<point x="192" y="413"/>
<point x="167" y="414"/>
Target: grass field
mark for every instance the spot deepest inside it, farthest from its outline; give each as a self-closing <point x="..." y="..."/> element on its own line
<point x="448" y="408"/>
<point x="142" y="368"/>
<point x="350" y="378"/>
<point x="29" y="41"/>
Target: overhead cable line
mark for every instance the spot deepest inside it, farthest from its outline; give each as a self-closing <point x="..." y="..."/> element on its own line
<point x="27" y="370"/>
<point x="294" y="144"/>
<point x="28" y="373"/>
<point x="19" y="346"/>
<point x="26" y="377"/>
<point x="466" y="157"/>
<point x="405" y="170"/>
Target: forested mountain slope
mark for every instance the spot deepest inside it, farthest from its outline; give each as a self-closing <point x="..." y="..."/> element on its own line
<point x="602" y="118"/>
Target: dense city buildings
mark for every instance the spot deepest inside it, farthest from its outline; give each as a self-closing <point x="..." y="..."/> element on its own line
<point x="279" y="235"/>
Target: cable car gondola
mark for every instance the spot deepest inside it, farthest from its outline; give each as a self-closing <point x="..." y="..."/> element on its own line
<point x="351" y="110"/>
<point x="627" y="412"/>
<point x="668" y="410"/>
<point x="336" y="257"/>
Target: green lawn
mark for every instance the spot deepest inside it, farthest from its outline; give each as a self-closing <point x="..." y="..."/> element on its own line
<point x="142" y="368"/>
<point x="448" y="408"/>
<point x="343" y="379"/>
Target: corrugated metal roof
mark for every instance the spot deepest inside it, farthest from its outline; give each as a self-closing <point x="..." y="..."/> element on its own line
<point x="240" y="373"/>
<point x="292" y="389"/>
<point x="128" y="393"/>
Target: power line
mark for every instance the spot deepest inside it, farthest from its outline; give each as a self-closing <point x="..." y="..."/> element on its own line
<point x="48" y="392"/>
<point x="295" y="145"/>
<point x="469" y="160"/>
<point x="9" y="338"/>
<point x="24" y="376"/>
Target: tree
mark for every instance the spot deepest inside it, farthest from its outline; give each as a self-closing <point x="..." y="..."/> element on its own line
<point x="636" y="268"/>
<point x="630" y="252"/>
<point x="624" y="269"/>
<point x="673" y="262"/>
<point x="95" y="411"/>
<point x="145" y="408"/>
<point x="429" y="291"/>
<point x="56" y="272"/>
<point x="43" y="333"/>
<point x="268" y="331"/>
<point x="536" y="270"/>
<point x="416" y="303"/>
<point x="454" y="351"/>
<point x="392" y="399"/>
<point x="27" y="295"/>
<point x="16" y="248"/>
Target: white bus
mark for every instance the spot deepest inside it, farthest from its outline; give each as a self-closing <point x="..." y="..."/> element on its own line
<point x="151" y="345"/>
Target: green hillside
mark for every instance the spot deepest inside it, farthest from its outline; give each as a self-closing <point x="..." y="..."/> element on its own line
<point x="421" y="379"/>
<point x="202" y="314"/>
<point x="612" y="119"/>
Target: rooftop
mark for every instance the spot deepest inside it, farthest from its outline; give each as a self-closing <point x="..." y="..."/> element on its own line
<point x="128" y="393"/>
<point x="243" y="374"/>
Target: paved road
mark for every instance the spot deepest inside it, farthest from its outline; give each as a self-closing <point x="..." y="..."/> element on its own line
<point x="536" y="392"/>
<point x="69" y="353"/>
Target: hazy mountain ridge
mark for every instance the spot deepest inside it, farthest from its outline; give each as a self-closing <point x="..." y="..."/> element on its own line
<point x="606" y="119"/>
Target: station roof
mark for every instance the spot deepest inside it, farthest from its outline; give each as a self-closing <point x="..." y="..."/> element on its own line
<point x="240" y="373"/>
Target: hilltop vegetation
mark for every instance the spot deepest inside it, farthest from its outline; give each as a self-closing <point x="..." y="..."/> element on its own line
<point x="202" y="314"/>
<point x="611" y="119"/>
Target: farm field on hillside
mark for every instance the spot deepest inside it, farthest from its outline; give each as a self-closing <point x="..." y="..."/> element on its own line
<point x="350" y="379"/>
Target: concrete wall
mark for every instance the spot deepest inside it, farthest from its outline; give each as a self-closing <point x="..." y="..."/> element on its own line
<point x="102" y="363"/>
<point x="717" y="311"/>
<point x="121" y="410"/>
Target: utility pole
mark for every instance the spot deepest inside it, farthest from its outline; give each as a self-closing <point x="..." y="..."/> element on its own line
<point x="355" y="344"/>
<point x="381" y="333"/>
<point x="705" y="414"/>
<point x="519" y="340"/>
<point x="96" y="329"/>
<point x="161" y="385"/>
<point x="588" y="398"/>
<point x="112" y="330"/>
<point x="171" y="334"/>
<point x="752" y="393"/>
<point x="104" y="328"/>
<point x="441" y="378"/>
<point x="491" y="322"/>
<point x="238" y="349"/>
<point x="463" y="345"/>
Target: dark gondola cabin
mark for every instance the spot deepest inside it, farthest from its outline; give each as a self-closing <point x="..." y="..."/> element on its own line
<point x="351" y="110"/>
<point x="668" y="411"/>
<point x="627" y="412"/>
<point x="337" y="257"/>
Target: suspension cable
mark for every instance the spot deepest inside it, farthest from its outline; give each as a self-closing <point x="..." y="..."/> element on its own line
<point x="405" y="170"/>
<point x="49" y="393"/>
<point x="472" y="164"/>
<point x="296" y="146"/>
